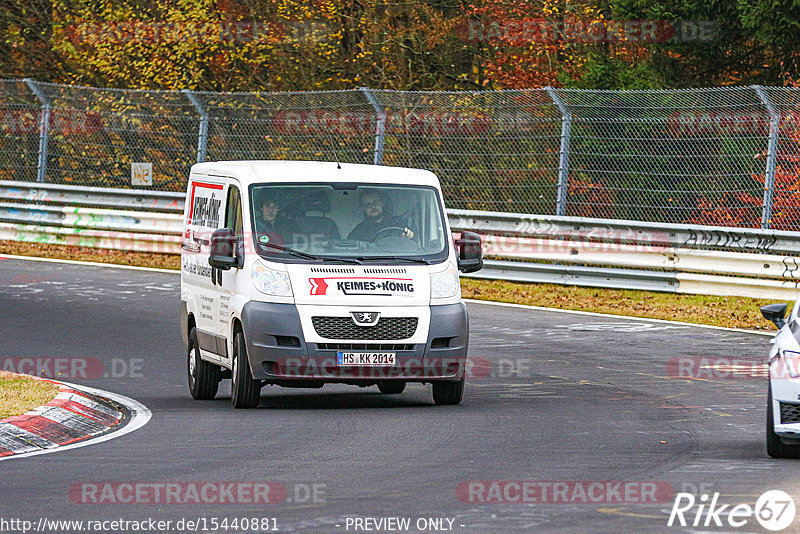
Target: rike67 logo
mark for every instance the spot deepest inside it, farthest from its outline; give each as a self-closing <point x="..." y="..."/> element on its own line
<point x="774" y="510"/>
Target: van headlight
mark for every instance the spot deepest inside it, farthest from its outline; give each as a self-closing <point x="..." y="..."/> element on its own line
<point x="270" y="281"/>
<point x="445" y="284"/>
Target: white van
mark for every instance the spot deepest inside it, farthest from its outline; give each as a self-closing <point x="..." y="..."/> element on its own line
<point x="299" y="274"/>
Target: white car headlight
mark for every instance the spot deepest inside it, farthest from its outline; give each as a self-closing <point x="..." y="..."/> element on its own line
<point x="792" y="362"/>
<point x="271" y="282"/>
<point x="445" y="284"/>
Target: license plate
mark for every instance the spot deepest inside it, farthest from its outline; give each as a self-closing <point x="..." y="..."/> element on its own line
<point x="365" y="358"/>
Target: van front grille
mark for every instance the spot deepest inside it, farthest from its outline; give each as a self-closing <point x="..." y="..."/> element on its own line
<point x="345" y="328"/>
<point x="371" y="347"/>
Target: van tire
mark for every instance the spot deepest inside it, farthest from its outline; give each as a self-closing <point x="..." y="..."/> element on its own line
<point x="775" y="447"/>
<point x="203" y="376"/>
<point x="245" y="391"/>
<point x="448" y="393"/>
<point x="391" y="388"/>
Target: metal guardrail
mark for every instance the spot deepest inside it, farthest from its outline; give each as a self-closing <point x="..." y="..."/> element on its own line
<point x="644" y="257"/>
<point x="96" y="218"/>
<point x="576" y="275"/>
<point x="74" y="195"/>
<point x="561" y="250"/>
<point x="630" y="232"/>
<point x="658" y="256"/>
<point x="122" y="219"/>
<point x="610" y="278"/>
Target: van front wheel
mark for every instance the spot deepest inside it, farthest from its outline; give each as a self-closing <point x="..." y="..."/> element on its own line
<point x="245" y="391"/>
<point x="203" y="376"/>
<point x="448" y="393"/>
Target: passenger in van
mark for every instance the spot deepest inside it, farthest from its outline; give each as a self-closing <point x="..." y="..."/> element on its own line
<point x="378" y="220"/>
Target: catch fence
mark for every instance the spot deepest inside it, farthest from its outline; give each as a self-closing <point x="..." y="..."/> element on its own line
<point x="723" y="156"/>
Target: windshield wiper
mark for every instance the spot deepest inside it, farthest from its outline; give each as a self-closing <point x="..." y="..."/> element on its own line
<point x="393" y="258"/>
<point x="308" y="256"/>
<point x="342" y="259"/>
<point x="290" y="251"/>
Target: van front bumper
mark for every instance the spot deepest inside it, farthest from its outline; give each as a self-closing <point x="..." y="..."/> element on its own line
<point x="278" y="353"/>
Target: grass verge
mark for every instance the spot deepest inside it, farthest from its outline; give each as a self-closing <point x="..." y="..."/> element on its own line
<point x="18" y="394"/>
<point x="732" y="312"/>
<point x="118" y="257"/>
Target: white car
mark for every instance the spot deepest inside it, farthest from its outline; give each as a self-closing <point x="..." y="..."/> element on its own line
<point x="783" y="394"/>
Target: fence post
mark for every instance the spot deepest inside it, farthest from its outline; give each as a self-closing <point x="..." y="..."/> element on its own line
<point x="563" y="159"/>
<point x="772" y="155"/>
<point x="380" y="125"/>
<point x="202" y="134"/>
<point x="44" y="129"/>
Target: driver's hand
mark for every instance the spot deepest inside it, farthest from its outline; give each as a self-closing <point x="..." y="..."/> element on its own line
<point x="408" y="233"/>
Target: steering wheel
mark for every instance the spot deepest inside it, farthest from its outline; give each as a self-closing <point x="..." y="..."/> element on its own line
<point x="388" y="228"/>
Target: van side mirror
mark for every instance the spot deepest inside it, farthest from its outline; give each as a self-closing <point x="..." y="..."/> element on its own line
<point x="223" y="245"/>
<point x="470" y="253"/>
<point x="775" y="313"/>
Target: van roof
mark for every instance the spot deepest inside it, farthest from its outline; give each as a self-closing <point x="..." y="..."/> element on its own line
<point x="248" y="172"/>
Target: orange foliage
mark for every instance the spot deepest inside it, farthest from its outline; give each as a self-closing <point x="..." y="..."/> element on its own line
<point x="534" y="44"/>
<point x="591" y="199"/>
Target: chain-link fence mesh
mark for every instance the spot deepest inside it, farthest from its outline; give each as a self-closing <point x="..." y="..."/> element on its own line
<point x="492" y="150"/>
<point x="309" y="126"/>
<point x="19" y="142"/>
<point x="704" y="156"/>
<point x="96" y="134"/>
<point x="672" y="156"/>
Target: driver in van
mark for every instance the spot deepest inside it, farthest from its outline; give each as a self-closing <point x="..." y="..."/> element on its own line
<point x="376" y="219"/>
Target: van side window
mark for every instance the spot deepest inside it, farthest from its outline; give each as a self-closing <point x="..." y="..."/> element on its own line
<point x="233" y="215"/>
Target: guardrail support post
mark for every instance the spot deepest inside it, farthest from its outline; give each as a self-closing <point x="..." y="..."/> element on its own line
<point x="202" y="134"/>
<point x="772" y="155"/>
<point x="563" y="159"/>
<point x="380" y="125"/>
<point x="44" y="129"/>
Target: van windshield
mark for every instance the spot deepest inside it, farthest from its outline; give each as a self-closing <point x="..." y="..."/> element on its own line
<point x="347" y="221"/>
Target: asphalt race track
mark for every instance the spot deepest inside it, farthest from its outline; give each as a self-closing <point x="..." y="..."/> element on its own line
<point x="555" y="397"/>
